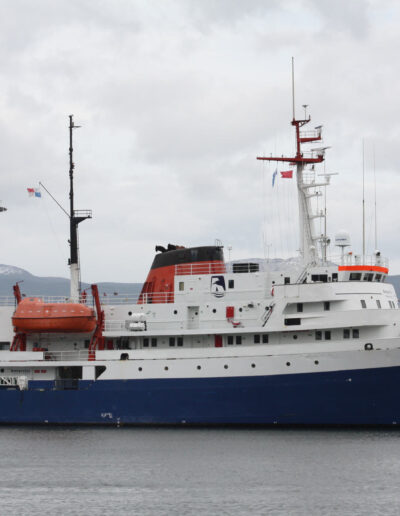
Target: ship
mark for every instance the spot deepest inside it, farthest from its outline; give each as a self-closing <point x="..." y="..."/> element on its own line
<point x="206" y="342"/>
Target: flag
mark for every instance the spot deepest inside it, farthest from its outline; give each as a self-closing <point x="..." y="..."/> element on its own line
<point x="274" y="177"/>
<point x="287" y="174"/>
<point x="34" y="192"/>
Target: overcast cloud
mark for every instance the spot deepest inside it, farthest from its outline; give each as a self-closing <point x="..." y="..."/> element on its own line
<point x="176" y="99"/>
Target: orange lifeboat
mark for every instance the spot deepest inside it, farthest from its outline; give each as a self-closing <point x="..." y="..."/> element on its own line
<point x="33" y="315"/>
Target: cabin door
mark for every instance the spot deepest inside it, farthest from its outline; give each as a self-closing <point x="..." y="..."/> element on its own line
<point x="193" y="317"/>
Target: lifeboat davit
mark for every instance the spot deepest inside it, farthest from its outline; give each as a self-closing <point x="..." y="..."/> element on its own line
<point x="33" y="315"/>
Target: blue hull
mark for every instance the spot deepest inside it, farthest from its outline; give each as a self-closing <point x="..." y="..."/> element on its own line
<point x="358" y="397"/>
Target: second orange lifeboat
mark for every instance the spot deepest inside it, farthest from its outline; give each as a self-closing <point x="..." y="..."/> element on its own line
<point x="33" y="315"/>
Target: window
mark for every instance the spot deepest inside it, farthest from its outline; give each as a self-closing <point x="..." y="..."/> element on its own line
<point x="334" y="276"/>
<point x="368" y="276"/>
<point x="257" y="339"/>
<point x="145" y="343"/>
<point x="287" y="281"/>
<point x="153" y="342"/>
<point x="319" y="277"/>
<point x="378" y="277"/>
<point x="318" y="335"/>
<point x="238" y="339"/>
<point x="328" y="335"/>
<point x="292" y="322"/>
<point x="355" y="276"/>
<point x="181" y="285"/>
<point x="231" y="283"/>
<point x="299" y="307"/>
<point x="265" y="338"/>
<point x="327" y="305"/>
<point x="378" y="303"/>
<point x="346" y="333"/>
<point x="230" y="340"/>
<point x="172" y="341"/>
<point x="363" y="304"/>
<point x="356" y="334"/>
<point x="180" y="341"/>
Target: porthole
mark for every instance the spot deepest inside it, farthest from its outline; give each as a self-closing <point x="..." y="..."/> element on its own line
<point x="225" y="366"/>
<point x="166" y="368"/>
<point x="288" y="364"/>
<point x="214" y="311"/>
<point x="253" y="365"/>
<point x="139" y="369"/>
<point x="316" y="362"/>
<point x="175" y="312"/>
<point x="129" y="313"/>
<point x="198" y="367"/>
<point x="240" y="309"/>
<point x="295" y="337"/>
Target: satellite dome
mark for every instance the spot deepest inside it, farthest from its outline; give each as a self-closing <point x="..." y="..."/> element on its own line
<point x="342" y="239"/>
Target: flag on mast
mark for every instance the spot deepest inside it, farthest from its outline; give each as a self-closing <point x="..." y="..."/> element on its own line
<point x="287" y="174"/>
<point x="34" y="192"/>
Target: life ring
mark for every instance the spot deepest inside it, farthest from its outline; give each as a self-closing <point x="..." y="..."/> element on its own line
<point x="368" y="346"/>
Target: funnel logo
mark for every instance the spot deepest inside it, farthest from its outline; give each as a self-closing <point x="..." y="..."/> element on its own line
<point x="218" y="286"/>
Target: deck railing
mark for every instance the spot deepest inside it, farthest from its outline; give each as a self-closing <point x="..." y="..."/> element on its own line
<point x="188" y="269"/>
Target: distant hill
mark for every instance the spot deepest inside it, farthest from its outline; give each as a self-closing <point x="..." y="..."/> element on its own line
<point x="51" y="286"/>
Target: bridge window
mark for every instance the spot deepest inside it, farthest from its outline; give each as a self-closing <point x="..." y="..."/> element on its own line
<point x="299" y="307"/>
<point x="172" y="341"/>
<point x="238" y="339"/>
<point x="378" y="277"/>
<point x="292" y="322"/>
<point x="153" y="342"/>
<point x="257" y="339"/>
<point x="318" y="335"/>
<point x="328" y="335"/>
<point x="265" y="338"/>
<point x="356" y="334"/>
<point x="368" y="276"/>
<point x="334" y="276"/>
<point x="327" y="305"/>
<point x="319" y="277"/>
<point x="346" y="333"/>
<point x="355" y="276"/>
<point x="230" y="339"/>
<point x="145" y="343"/>
<point x="179" y="341"/>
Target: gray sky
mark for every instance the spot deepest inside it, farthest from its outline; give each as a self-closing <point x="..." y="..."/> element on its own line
<point x="176" y="100"/>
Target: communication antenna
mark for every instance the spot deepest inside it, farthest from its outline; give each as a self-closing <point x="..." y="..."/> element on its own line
<point x="376" y="222"/>
<point x="363" y="201"/>
<point x="294" y="118"/>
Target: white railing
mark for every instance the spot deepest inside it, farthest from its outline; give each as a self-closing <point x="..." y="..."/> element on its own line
<point x="358" y="259"/>
<point x="81" y="354"/>
<point x="7" y="301"/>
<point x="188" y="269"/>
<point x="311" y="133"/>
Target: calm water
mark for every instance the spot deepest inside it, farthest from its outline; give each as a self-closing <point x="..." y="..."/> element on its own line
<point x="142" y="471"/>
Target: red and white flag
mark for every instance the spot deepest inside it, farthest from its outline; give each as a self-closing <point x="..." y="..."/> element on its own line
<point x="287" y="174"/>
